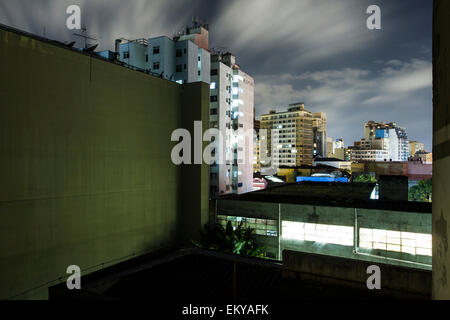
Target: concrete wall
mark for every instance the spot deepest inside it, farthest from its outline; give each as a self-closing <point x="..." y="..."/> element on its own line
<point x="397" y="281"/>
<point x="403" y="221"/>
<point x="85" y="166"/>
<point x="441" y="150"/>
<point x="195" y="179"/>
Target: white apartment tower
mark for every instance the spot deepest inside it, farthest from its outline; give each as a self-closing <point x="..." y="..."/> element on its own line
<point x="232" y="112"/>
<point x="389" y="137"/>
<point x="184" y="58"/>
<point x="382" y="142"/>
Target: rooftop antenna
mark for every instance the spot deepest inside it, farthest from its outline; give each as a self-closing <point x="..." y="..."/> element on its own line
<point x="195" y="21"/>
<point x="84" y="36"/>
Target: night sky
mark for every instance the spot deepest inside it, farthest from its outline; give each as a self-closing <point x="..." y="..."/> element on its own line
<point x="315" y="51"/>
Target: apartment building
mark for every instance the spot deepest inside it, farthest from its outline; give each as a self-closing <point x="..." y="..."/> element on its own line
<point x="185" y="58"/>
<point x="232" y="112"/>
<point x="320" y="134"/>
<point x="289" y="136"/>
<point x="414" y="147"/>
<point x="382" y="142"/>
<point x="371" y="155"/>
<point x="256" y="148"/>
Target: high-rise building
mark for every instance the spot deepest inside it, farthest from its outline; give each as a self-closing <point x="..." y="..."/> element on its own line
<point x="339" y="149"/>
<point x="415" y="147"/>
<point x="336" y="148"/>
<point x="320" y="134"/>
<point x="232" y="112"/>
<point x="183" y="59"/>
<point x="330" y="147"/>
<point x="289" y="136"/>
<point x="256" y="148"/>
<point x="380" y="136"/>
<point x="380" y="132"/>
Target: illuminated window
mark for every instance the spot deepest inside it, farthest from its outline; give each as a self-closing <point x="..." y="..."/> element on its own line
<point x="419" y="244"/>
<point x="321" y="233"/>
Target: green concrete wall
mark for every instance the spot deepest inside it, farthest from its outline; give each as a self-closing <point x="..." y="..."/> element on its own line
<point x="441" y="150"/>
<point x="85" y="167"/>
<point x="194" y="184"/>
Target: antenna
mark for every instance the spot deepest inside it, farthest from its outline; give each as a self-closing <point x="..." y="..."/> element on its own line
<point x="85" y="36"/>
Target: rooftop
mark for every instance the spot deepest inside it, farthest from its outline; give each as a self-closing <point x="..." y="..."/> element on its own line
<point x="198" y="275"/>
<point x="89" y="51"/>
<point x="346" y="195"/>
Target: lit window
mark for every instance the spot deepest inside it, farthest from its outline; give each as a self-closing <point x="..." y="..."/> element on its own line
<point x="299" y="231"/>
<point x="213" y="85"/>
<point x="405" y="242"/>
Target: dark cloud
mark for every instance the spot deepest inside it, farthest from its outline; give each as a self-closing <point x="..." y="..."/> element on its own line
<point x="316" y="51"/>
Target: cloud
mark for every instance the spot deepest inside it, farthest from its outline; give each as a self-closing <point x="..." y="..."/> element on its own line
<point x="316" y="51"/>
<point x="399" y="91"/>
<point x="106" y="20"/>
<point x="303" y="31"/>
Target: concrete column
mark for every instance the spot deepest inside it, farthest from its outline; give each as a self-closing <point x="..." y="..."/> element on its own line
<point x="441" y="150"/>
<point x="194" y="185"/>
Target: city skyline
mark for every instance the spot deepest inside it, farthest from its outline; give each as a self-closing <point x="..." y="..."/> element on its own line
<point x="325" y="57"/>
<point x="282" y="145"/>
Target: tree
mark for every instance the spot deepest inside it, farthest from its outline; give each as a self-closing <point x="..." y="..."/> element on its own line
<point x="422" y="192"/>
<point x="365" y="178"/>
<point x="239" y="240"/>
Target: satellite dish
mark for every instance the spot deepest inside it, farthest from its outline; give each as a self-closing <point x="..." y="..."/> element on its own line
<point x="91" y="49"/>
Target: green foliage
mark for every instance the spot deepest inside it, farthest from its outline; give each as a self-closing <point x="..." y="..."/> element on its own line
<point x="422" y="192"/>
<point x="229" y="240"/>
<point x="365" y="178"/>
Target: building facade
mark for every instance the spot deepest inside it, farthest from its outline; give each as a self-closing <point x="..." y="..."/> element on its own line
<point x="184" y="59"/>
<point x="415" y="147"/>
<point x="232" y="112"/>
<point x="371" y="155"/>
<point x="256" y="148"/>
<point x="382" y="142"/>
<point x="289" y="136"/>
<point x="320" y="134"/>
